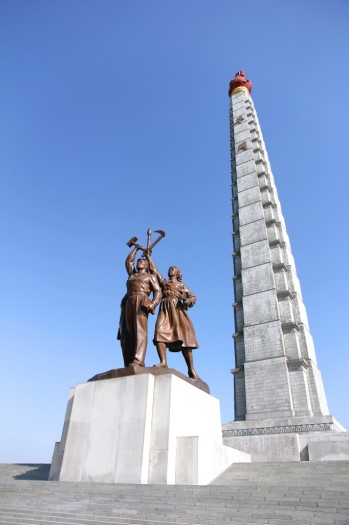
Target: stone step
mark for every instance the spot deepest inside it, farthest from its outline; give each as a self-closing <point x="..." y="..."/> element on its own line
<point x="258" y="492"/>
<point x="264" y="516"/>
<point x="339" y="498"/>
<point x="267" y="518"/>
<point x="280" y="498"/>
<point x="161" y="511"/>
<point x="76" y="519"/>
<point x="303" y="472"/>
<point x="262" y="490"/>
<point x="283" y="471"/>
<point x="271" y="496"/>
<point x="237" y="480"/>
<point x="249" y="494"/>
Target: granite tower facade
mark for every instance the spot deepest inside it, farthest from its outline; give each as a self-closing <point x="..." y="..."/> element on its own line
<point x="277" y="383"/>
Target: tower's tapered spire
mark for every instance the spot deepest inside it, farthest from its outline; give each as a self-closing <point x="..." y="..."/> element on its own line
<point x="276" y="376"/>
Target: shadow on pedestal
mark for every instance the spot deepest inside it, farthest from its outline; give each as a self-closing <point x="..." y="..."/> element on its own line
<point x="36" y="471"/>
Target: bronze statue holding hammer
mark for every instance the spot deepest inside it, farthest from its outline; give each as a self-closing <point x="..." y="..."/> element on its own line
<point x="136" y="304"/>
<point x="174" y="329"/>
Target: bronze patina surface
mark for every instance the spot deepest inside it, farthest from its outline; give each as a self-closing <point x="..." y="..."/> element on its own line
<point x="174" y="329"/>
<point x="135" y="308"/>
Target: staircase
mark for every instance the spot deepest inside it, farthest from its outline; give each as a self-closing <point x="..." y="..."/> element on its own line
<point x="259" y="493"/>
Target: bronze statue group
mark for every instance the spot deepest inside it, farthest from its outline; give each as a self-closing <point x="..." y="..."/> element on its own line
<point x="146" y="288"/>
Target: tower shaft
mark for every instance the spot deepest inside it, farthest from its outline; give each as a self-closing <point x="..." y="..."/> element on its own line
<point x="281" y="411"/>
<point x="276" y="373"/>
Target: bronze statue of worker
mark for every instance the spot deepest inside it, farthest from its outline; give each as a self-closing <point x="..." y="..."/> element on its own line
<point x="174" y="329"/>
<point x="135" y="308"/>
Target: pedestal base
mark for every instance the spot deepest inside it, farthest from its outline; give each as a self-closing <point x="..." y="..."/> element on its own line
<point x="142" y="428"/>
<point x="134" y="370"/>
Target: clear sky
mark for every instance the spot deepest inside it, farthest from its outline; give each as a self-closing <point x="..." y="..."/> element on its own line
<point x="114" y="118"/>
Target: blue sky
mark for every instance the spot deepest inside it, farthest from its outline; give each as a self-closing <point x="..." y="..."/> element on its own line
<point x="114" y="118"/>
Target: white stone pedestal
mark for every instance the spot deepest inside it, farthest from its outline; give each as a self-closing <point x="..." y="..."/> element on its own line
<point x="142" y="429"/>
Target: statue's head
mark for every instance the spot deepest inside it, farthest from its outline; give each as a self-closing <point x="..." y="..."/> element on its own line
<point x="142" y="264"/>
<point x="174" y="271"/>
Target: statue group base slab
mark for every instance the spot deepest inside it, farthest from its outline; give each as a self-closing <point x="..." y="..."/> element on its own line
<point x="144" y="428"/>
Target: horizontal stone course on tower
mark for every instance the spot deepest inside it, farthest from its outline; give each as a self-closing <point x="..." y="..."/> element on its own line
<point x="277" y="382"/>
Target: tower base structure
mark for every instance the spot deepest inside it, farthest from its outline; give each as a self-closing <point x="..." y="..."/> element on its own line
<point x="305" y="438"/>
<point x="146" y="428"/>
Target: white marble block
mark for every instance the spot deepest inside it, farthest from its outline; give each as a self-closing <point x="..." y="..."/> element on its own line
<point x="333" y="447"/>
<point x="142" y="429"/>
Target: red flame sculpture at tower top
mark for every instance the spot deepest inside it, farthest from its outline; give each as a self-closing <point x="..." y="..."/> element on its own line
<point x="240" y="81"/>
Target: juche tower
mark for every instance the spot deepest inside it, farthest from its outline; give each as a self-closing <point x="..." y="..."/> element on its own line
<point x="278" y="387"/>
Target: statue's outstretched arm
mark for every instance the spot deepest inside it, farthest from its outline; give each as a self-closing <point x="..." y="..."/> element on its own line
<point x="131" y="259"/>
<point x="153" y="269"/>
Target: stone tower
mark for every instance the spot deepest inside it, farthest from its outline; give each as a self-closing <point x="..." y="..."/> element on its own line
<point x="278" y="387"/>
